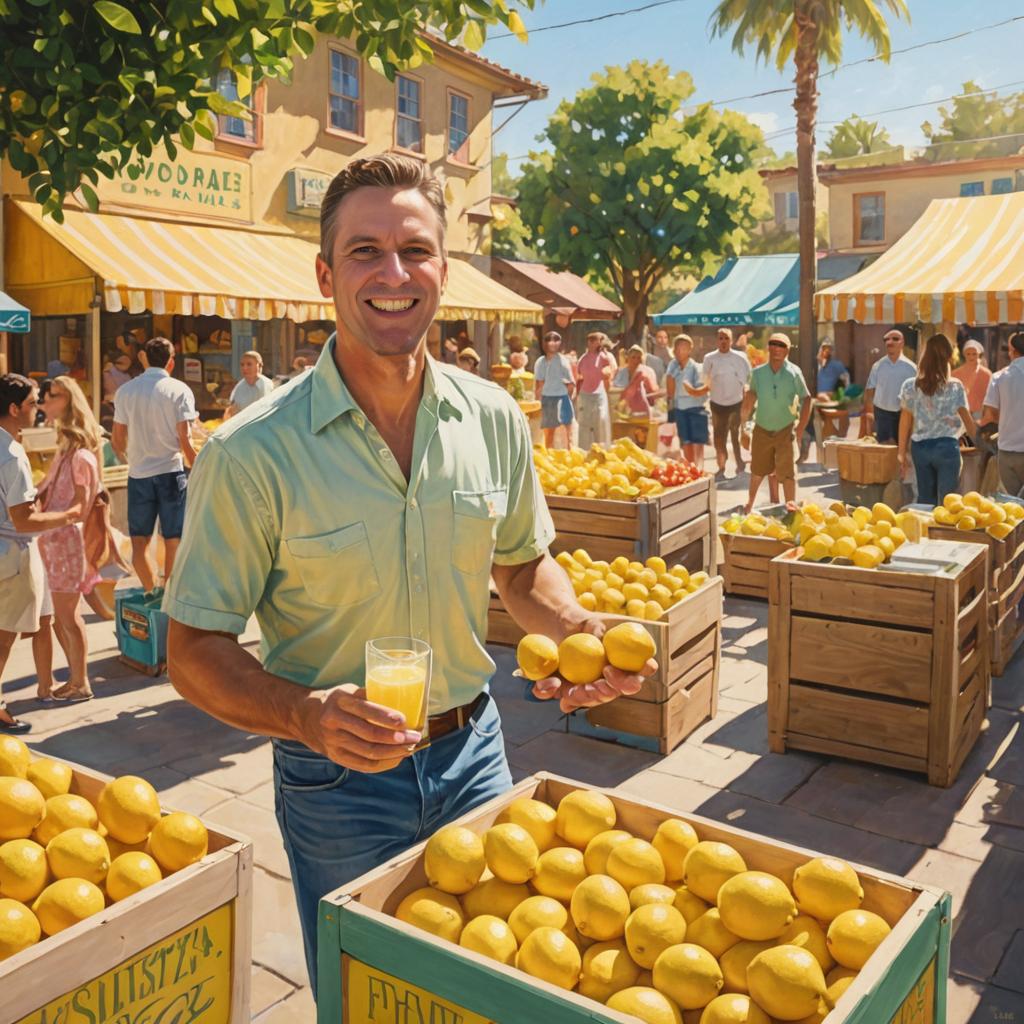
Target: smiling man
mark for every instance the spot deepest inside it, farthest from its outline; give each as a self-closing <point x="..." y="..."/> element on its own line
<point x="371" y="497"/>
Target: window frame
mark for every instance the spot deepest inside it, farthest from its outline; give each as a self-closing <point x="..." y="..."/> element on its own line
<point x="857" y="224"/>
<point x="461" y="155"/>
<point x="1006" y="180"/>
<point x="976" y="188"/>
<point x="360" y="134"/>
<point x="422" y="151"/>
<point x="257" y="107"/>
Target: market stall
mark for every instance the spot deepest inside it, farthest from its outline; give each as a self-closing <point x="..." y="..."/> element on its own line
<point x="14" y="319"/>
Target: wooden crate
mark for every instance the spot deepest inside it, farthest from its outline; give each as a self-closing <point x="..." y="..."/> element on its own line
<point x="179" y="950"/>
<point x="678" y="525"/>
<point x="373" y="968"/>
<point x="880" y="666"/>
<point x="745" y="567"/>
<point x="868" y="463"/>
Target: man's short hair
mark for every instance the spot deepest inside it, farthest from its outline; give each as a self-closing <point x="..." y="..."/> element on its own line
<point x="252" y="354"/>
<point x="159" y="352"/>
<point x="385" y="170"/>
<point x="601" y="337"/>
<point x="14" y="389"/>
<point x="682" y="339"/>
<point x="726" y="331"/>
<point x="552" y="336"/>
<point x="1017" y="343"/>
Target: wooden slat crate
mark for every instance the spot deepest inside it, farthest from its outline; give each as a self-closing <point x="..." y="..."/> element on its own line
<point x="868" y="463"/>
<point x="115" y="476"/>
<point x="745" y="567"/>
<point x="370" y="963"/>
<point x="886" y="667"/>
<point x="179" y="950"/>
<point x="678" y="525"/>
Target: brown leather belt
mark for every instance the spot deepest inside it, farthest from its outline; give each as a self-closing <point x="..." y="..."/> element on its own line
<point x="451" y="720"/>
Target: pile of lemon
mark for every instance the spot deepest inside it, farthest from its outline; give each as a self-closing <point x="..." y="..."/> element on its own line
<point x="973" y="512"/>
<point x="642" y="590"/>
<point x="622" y="472"/>
<point x="668" y="928"/>
<point x="63" y="859"/>
<point x="581" y="658"/>
<point x="865" y="537"/>
<point x="756" y="524"/>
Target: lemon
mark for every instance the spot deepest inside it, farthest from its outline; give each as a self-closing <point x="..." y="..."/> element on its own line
<point x="973" y="499"/>
<point x="130" y="873"/>
<point x="755" y="905"/>
<point x="588" y="601"/>
<point x="537" y="817"/>
<point x="619" y="565"/>
<point x="178" y="840"/>
<point x="838" y="987"/>
<point x="635" y="862"/>
<point x="854" y="935"/>
<point x="565" y="560"/>
<point x="943" y="516"/>
<point x="581" y="658"/>
<point x="882" y="529"/>
<point x="64" y="811"/>
<point x="650" y="930"/>
<point x="79" y="853"/>
<point x="599" y="908"/>
<point x="1000" y="531"/>
<point x="826" y="886"/>
<point x="844" y="547"/>
<point x="454" y="859"/>
<point x="434" y="911"/>
<point x="23" y="870"/>
<point x="129" y="808"/>
<point x="735" y="961"/>
<point x="689" y="975"/>
<point x="806" y="932"/>
<point x="646" y="1004"/>
<point x="559" y="871"/>
<point x="898" y="537"/>
<point x="710" y="932"/>
<point x="607" y="969"/>
<point x="51" y="778"/>
<point x="536" y="912"/>
<point x="595" y="856"/>
<point x="582" y="814"/>
<point x="116" y="848"/>
<point x="21" y="807"/>
<point x="548" y="954"/>
<point x="674" y="839"/>
<point x="868" y="557"/>
<point x="614" y="581"/>
<point x="493" y="896"/>
<point x="882" y="513"/>
<point x="490" y="936"/>
<point x="14" y="757"/>
<point x="66" y="902"/>
<point x="537" y="656"/>
<point x="689" y="905"/>
<point x="19" y="928"/>
<point x="628" y="646"/>
<point x="580" y="556"/>
<point x="635" y="592"/>
<point x="786" y="982"/>
<point x="966" y="522"/>
<point x="818" y="548"/>
<point x="614" y="600"/>
<point x="636" y="608"/>
<point x="708" y="865"/>
<point x="651" y="892"/>
<point x="733" y="1009"/>
<point x="653" y="611"/>
<point x="511" y="853"/>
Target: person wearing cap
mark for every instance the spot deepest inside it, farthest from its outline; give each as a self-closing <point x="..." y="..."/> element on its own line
<point x="469" y="360"/>
<point x="727" y="373"/>
<point x="642" y="389"/>
<point x="1004" y="404"/>
<point x="975" y="376"/>
<point x="780" y="394"/>
<point x="686" y="401"/>
<point x="831" y="374"/>
<point x="882" y="393"/>
<point x="555" y="385"/>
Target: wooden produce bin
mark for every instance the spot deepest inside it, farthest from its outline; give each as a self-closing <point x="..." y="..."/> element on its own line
<point x="868" y="463"/>
<point x="678" y="525"/>
<point x="374" y="968"/>
<point x="745" y="569"/>
<point x="886" y="667"/>
<point x="179" y="950"/>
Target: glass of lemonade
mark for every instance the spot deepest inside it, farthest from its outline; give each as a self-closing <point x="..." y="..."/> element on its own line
<point x="398" y="676"/>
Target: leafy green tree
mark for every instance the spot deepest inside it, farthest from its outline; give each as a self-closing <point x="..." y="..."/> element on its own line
<point x="805" y="32"/>
<point x="85" y="87"/>
<point x="977" y="115"/>
<point x="635" y="186"/>
<point x="856" y="137"/>
<point x="509" y="237"/>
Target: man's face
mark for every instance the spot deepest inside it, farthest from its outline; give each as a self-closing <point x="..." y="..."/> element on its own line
<point x="777" y="352"/>
<point x="24" y="415"/>
<point x="388" y="269"/>
<point x="633" y="360"/>
<point x="250" y="369"/>
<point x="893" y="344"/>
<point x="662" y="338"/>
<point x="682" y="351"/>
<point x="724" y="342"/>
<point x="552" y="345"/>
<point x="824" y="354"/>
<point x="593" y="343"/>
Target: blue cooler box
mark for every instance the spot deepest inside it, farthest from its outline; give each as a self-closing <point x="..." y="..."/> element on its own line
<point x="141" y="630"/>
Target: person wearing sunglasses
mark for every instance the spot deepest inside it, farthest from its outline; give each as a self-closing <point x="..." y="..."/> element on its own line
<point x="783" y="407"/>
<point x="882" y="393"/>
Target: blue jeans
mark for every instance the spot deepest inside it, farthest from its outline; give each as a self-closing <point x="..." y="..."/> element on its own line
<point x="337" y="824"/>
<point x="937" y="464"/>
<point x="887" y="425"/>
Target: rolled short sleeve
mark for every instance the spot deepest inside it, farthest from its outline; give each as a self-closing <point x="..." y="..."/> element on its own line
<point x="801" y="384"/>
<point x="185" y="403"/>
<point x="872" y="378"/>
<point x="234" y="393"/>
<point x="753" y="383"/>
<point x="992" y="392"/>
<point x="227" y="549"/>
<point x="16" y="485"/>
<point x="85" y="470"/>
<point x="540" y="368"/>
<point x="907" y="389"/>
<point x="121" y="401"/>
<point x="960" y="394"/>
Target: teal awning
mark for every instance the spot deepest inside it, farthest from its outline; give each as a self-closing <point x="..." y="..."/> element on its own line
<point x="14" y="318"/>
<point x="747" y="290"/>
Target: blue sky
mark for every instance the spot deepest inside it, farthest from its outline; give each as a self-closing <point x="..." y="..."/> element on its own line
<point x="677" y="33"/>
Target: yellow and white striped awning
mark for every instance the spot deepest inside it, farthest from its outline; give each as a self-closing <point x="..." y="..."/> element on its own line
<point x="962" y="261"/>
<point x="472" y="295"/>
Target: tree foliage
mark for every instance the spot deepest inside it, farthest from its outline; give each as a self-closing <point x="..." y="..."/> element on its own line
<point x="856" y="137"/>
<point x="635" y="186"/>
<point x="509" y="237"/>
<point x="977" y="115"/>
<point x="86" y="86"/>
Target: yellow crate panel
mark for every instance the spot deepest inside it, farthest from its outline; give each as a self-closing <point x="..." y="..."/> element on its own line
<point x="919" y="1006"/>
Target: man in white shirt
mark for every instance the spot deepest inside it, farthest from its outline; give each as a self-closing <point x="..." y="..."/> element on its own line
<point x="882" y="393"/>
<point x="1004" y="404"/>
<point x="555" y="384"/>
<point x="726" y="373"/>
<point x="253" y="385"/>
<point x="153" y="416"/>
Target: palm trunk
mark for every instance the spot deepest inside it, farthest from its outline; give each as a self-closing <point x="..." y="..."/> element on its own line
<point x="806" y="105"/>
<point x="634" y="311"/>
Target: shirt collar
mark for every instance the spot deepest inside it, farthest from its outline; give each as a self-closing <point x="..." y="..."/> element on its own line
<point x="155" y="371"/>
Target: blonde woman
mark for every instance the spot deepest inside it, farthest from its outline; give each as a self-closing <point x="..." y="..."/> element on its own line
<point x="73" y="479"/>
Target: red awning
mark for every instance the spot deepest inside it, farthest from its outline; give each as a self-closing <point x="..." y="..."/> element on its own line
<point x="558" y="291"/>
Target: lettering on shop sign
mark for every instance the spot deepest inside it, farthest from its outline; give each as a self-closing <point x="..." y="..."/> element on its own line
<point x="181" y="979"/>
<point x="919" y="1006"/>
<point x="370" y="996"/>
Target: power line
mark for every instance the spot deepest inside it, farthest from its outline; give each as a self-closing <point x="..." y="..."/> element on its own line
<point x="591" y="21"/>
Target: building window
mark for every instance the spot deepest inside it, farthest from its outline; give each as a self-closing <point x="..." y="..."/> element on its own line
<point x="345" y="93"/>
<point x="239" y="129"/>
<point x="869" y="218"/>
<point x="972" y="188"/>
<point x="787" y="207"/>
<point x="1000" y="186"/>
<point x="458" y="126"/>
<point x="409" y="123"/>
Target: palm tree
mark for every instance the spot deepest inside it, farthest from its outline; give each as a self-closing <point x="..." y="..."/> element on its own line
<point x="856" y="137"/>
<point x="806" y="31"/>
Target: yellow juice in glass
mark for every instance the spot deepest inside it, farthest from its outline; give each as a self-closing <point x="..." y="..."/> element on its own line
<point x="401" y="688"/>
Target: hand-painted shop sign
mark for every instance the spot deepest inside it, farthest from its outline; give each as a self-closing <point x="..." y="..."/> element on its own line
<point x="14" y="317"/>
<point x="306" y="191"/>
<point x="202" y="184"/>
<point x="183" y="978"/>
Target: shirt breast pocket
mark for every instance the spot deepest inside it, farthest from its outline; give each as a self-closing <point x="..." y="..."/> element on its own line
<point x="475" y="528"/>
<point x="336" y="568"/>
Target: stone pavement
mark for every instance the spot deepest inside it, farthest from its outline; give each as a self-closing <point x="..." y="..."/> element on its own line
<point x="968" y="839"/>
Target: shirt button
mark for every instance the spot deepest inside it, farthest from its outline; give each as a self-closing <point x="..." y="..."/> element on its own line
<point x="385" y="453"/>
<point x="414" y="503"/>
<point x="419" y="588"/>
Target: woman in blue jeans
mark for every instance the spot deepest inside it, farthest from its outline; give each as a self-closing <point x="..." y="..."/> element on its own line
<point x="933" y="415"/>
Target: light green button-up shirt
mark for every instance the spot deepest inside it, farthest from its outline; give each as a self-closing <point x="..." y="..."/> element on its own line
<point x="779" y="395"/>
<point x="298" y="511"/>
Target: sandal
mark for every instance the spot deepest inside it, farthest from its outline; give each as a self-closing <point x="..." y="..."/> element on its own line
<point x="68" y="694"/>
<point x="14" y="727"/>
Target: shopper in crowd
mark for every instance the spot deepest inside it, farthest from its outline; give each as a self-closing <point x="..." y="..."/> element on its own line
<point x="1004" y="404"/>
<point x="831" y="375"/>
<point x="25" y="603"/>
<point x="687" y="398"/>
<point x="885" y="381"/>
<point x="594" y="373"/>
<point x="153" y="416"/>
<point x="975" y="376"/>
<point x="555" y="386"/>
<point x="933" y="415"/>
<point x="116" y="372"/>
<point x="641" y="391"/>
<point x="252" y="387"/>
<point x="727" y="373"/>
<point x="662" y="352"/>
<point x="469" y="361"/>
<point x="782" y="405"/>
